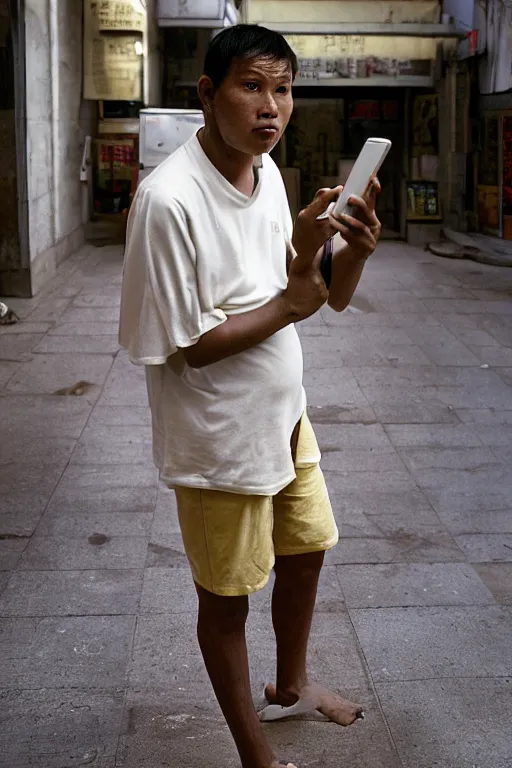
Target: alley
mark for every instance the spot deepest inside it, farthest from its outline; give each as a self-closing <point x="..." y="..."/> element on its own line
<point x="410" y="393"/>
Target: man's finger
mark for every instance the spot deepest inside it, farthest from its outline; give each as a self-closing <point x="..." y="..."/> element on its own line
<point x="364" y="210"/>
<point x="374" y="192"/>
<point x="355" y="225"/>
<point x="322" y="199"/>
<point x="360" y="240"/>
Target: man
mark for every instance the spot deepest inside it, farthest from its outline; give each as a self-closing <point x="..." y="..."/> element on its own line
<point x="215" y="279"/>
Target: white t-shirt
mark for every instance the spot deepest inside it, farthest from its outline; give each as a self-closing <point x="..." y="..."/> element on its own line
<point x="197" y="251"/>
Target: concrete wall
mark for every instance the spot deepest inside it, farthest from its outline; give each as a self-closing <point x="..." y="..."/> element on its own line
<point x="57" y="122"/>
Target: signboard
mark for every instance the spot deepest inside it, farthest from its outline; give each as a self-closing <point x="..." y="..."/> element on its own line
<point x="115" y="15"/>
<point x="369" y="109"/>
<point x="325" y="57"/>
<point x="348" y="11"/>
<point x="360" y="68"/>
<point x="360" y="46"/>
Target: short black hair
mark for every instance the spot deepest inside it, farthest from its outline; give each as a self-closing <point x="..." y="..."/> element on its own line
<point x="245" y="41"/>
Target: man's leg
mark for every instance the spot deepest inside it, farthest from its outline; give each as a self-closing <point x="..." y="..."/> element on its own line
<point x="221" y="633"/>
<point x="228" y="541"/>
<point x="293" y="603"/>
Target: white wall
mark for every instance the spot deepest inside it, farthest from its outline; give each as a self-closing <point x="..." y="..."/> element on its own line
<point x="57" y="121"/>
<point x="336" y="11"/>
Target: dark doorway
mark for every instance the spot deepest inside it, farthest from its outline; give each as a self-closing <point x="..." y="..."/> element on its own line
<point x="14" y="267"/>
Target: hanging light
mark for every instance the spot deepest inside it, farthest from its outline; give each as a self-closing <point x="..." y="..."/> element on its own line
<point x="139" y="50"/>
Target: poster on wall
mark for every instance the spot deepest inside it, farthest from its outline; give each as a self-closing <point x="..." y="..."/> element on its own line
<point x="115" y="15"/>
<point x="112" y="69"/>
<point x="425" y="125"/>
<point x="113" y="44"/>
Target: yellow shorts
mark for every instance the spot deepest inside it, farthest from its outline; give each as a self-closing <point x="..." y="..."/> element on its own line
<point x="231" y="539"/>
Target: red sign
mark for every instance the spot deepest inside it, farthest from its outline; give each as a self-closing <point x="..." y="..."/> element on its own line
<point x="473" y="41"/>
<point x="364" y="110"/>
<point x="373" y="110"/>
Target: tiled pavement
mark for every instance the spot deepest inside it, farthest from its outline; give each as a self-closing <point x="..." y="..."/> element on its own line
<point x="410" y="392"/>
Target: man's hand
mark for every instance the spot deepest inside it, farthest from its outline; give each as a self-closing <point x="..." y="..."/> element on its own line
<point x="361" y="232"/>
<point x="310" y="232"/>
<point x="306" y="291"/>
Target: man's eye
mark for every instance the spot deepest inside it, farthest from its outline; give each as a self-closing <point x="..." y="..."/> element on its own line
<point x="251" y="86"/>
<point x="282" y="89"/>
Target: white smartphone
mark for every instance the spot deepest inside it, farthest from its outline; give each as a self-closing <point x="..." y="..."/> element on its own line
<point x="366" y="166"/>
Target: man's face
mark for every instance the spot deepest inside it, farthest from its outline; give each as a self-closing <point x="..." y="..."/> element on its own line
<point x="253" y="104"/>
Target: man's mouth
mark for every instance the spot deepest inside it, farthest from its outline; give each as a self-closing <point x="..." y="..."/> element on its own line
<point x="266" y="130"/>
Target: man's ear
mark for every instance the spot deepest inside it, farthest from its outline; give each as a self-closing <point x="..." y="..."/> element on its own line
<point x="206" y="91"/>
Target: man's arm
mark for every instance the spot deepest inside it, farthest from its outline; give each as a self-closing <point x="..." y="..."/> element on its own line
<point x="347" y="268"/>
<point x="240" y="332"/>
<point x="305" y="294"/>
<point x="355" y="242"/>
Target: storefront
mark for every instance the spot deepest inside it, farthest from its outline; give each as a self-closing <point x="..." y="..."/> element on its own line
<point x="351" y="87"/>
<point x="327" y="131"/>
<point x="124" y="71"/>
<point x="486" y="54"/>
<point x="495" y="174"/>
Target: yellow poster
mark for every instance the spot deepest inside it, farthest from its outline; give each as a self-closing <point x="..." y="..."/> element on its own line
<point x="112" y="60"/>
<point x="112" y="68"/>
<point x="116" y="15"/>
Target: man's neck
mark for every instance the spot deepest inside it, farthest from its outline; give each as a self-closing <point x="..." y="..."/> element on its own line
<point x="236" y="167"/>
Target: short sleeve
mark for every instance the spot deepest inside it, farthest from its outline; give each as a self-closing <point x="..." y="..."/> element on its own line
<point x="286" y="215"/>
<point x="161" y="307"/>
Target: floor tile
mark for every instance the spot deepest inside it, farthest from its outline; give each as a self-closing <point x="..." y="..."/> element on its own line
<point x="424" y="643"/>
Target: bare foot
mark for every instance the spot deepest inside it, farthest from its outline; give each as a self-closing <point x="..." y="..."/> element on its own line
<point x="315" y="697"/>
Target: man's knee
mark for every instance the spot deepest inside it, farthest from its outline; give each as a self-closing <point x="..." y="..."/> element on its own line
<point x="306" y="566"/>
<point x="224" y="614"/>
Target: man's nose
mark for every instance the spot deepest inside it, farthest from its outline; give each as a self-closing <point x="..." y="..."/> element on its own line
<point x="269" y="107"/>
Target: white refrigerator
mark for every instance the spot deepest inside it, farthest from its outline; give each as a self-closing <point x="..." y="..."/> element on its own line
<point x="161" y="132"/>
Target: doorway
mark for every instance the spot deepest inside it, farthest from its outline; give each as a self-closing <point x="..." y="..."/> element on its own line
<point x="14" y="266"/>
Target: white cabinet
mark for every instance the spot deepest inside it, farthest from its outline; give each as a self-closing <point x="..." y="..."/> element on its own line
<point x="162" y="131"/>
